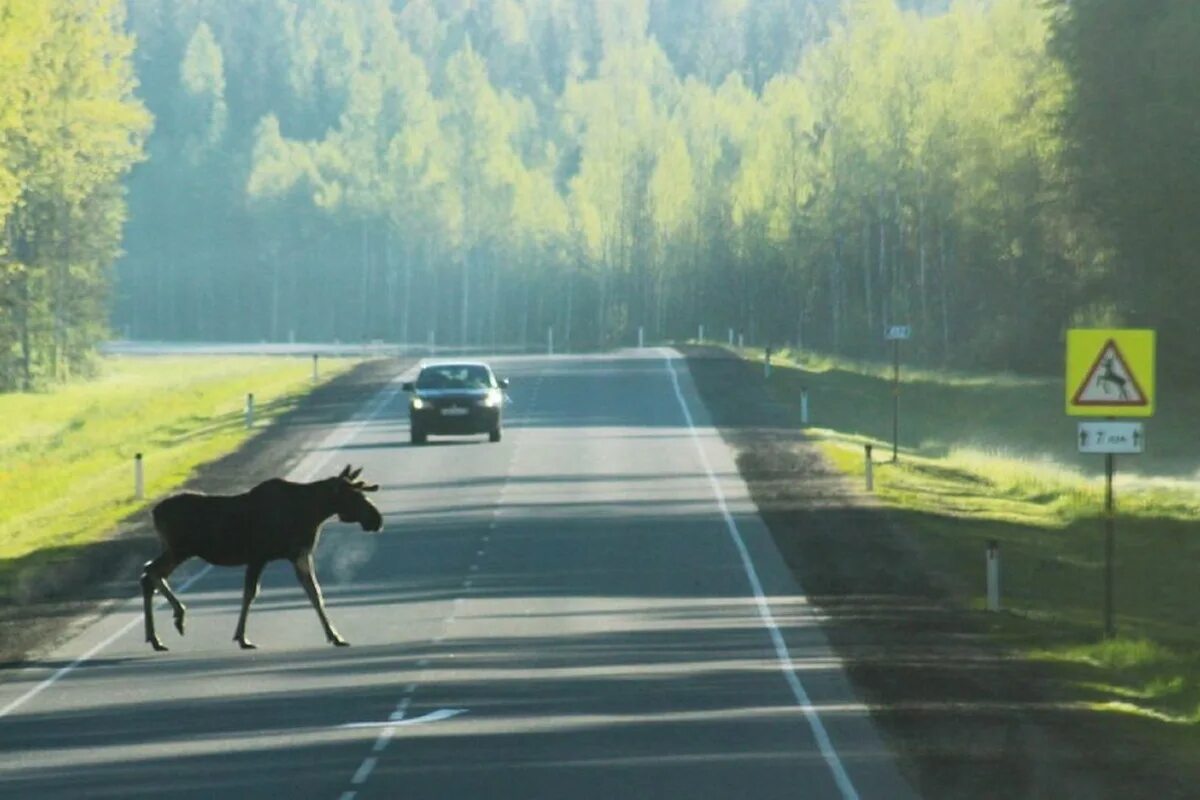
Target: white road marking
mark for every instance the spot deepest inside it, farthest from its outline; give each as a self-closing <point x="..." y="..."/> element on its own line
<point x="828" y="752"/>
<point x="364" y="770"/>
<point x="399" y="722"/>
<point x="322" y="455"/>
<point x="348" y="796"/>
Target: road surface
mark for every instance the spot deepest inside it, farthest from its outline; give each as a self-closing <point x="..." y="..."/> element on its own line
<point x="589" y="609"/>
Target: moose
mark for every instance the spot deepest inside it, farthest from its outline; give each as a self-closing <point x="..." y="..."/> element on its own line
<point x="277" y="519"/>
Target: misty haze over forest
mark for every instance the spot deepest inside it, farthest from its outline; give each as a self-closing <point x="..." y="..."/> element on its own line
<point x="989" y="171"/>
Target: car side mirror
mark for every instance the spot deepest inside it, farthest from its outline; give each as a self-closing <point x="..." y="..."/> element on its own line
<point x="503" y="383"/>
<point x="407" y="386"/>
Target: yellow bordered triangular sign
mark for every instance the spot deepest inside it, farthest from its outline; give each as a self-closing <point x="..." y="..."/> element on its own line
<point x="1110" y="381"/>
<point x="1110" y="373"/>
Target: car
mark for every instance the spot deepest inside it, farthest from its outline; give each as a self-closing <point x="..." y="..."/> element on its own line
<point x="456" y="398"/>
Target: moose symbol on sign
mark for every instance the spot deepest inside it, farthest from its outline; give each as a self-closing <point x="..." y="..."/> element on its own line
<point x="1109" y="379"/>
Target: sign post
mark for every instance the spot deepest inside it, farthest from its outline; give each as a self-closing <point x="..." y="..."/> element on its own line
<point x="1110" y="373"/>
<point x="896" y="334"/>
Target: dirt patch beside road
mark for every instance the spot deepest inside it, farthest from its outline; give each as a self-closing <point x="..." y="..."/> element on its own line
<point x="86" y="581"/>
<point x="968" y="718"/>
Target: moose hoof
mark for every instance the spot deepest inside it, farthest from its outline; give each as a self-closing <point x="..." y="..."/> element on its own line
<point x="157" y="645"/>
<point x="246" y="644"/>
<point x="338" y="641"/>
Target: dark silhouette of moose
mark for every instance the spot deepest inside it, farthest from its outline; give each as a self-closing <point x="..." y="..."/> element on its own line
<point x="1109" y="378"/>
<point x="277" y="519"/>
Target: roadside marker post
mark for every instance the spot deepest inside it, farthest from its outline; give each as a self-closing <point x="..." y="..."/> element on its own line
<point x="550" y="340"/>
<point x="741" y="341"/>
<point x="767" y="362"/>
<point x="803" y="406"/>
<point x="316" y="368"/>
<point x="139" y="482"/>
<point x="870" y="468"/>
<point x="641" y="337"/>
<point x="731" y="337"/>
<point x="700" y="334"/>
<point x="250" y="410"/>
<point x="1110" y="373"/>
<point x="993" y="575"/>
<point x="896" y="334"/>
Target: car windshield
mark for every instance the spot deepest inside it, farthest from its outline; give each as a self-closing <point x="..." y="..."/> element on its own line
<point x="455" y="376"/>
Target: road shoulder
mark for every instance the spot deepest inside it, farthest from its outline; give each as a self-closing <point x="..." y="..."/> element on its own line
<point x="964" y="719"/>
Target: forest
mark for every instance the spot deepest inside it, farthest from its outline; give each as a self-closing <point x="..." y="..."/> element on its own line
<point x="474" y="172"/>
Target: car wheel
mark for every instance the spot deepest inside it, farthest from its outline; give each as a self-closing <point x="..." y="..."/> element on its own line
<point x="417" y="436"/>
<point x="494" y="434"/>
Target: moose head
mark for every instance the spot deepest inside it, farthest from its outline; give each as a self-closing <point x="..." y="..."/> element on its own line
<point x="350" y="503"/>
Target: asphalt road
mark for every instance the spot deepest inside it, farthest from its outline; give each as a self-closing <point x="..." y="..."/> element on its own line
<point x="589" y="609"/>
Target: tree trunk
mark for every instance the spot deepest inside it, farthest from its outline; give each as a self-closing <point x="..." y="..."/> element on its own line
<point x="867" y="283"/>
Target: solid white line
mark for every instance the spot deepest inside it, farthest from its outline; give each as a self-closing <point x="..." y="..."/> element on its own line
<point x="364" y="770"/>
<point x="828" y="752"/>
<point x="339" y="437"/>
<point x="348" y="796"/>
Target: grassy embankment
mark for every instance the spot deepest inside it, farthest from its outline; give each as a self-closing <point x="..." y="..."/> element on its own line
<point x="992" y="457"/>
<point x="66" y="455"/>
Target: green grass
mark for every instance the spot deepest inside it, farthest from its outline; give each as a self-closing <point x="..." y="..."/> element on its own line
<point x="991" y="458"/>
<point x="997" y="414"/>
<point x="66" y="455"/>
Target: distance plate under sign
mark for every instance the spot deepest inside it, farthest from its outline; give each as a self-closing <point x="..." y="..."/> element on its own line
<point x="1118" y="438"/>
<point x="897" y="333"/>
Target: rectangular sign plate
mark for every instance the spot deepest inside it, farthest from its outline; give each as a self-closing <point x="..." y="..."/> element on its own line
<point x="454" y="411"/>
<point x="1111" y="437"/>
<point x="898" y="333"/>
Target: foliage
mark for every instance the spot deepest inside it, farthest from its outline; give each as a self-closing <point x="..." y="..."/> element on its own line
<point x="70" y="129"/>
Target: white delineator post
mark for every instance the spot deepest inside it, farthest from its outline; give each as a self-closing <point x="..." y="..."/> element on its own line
<point x="641" y="337"/>
<point x="731" y="337"/>
<point x="870" y="469"/>
<point x="139" y="481"/>
<point x="804" y="406"/>
<point x="741" y="341"/>
<point x="550" y="340"/>
<point x="250" y="410"/>
<point x="316" y="368"/>
<point x="993" y="576"/>
<point x="700" y="334"/>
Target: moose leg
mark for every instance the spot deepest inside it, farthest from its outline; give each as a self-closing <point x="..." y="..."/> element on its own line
<point x="249" y="592"/>
<point x="154" y="576"/>
<point x="308" y="579"/>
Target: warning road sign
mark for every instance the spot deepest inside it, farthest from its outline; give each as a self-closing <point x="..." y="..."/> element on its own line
<point x="1110" y="373"/>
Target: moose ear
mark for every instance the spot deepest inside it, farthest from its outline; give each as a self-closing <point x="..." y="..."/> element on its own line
<point x="344" y="472"/>
<point x="354" y="475"/>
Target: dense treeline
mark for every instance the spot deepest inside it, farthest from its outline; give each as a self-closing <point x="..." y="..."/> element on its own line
<point x="483" y="171"/>
<point x="1133" y="151"/>
<point x="69" y="131"/>
<point x="989" y="171"/>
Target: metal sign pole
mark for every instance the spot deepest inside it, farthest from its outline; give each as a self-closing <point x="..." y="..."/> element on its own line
<point x="895" y="401"/>
<point x="1110" y="629"/>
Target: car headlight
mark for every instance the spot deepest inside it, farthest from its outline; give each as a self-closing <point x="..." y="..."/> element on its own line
<point x="418" y="404"/>
<point x="492" y="399"/>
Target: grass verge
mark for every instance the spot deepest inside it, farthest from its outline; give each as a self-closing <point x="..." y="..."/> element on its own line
<point x="66" y="455"/>
<point x="988" y="458"/>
